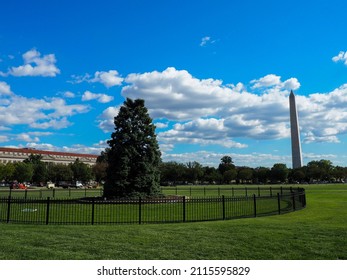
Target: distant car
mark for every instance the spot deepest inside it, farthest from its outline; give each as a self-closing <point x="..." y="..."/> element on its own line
<point x="50" y="185"/>
<point x="18" y="186"/>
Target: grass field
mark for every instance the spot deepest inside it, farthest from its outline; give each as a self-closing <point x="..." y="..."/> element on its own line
<point x="317" y="232"/>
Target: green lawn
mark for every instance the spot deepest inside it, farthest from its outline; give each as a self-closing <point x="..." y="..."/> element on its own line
<point x="317" y="232"/>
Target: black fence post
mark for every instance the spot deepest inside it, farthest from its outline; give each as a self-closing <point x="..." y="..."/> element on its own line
<point x="47" y="211"/>
<point x="293" y="197"/>
<point x="93" y="210"/>
<point x="8" y="209"/>
<point x="184" y="208"/>
<point x="255" y="205"/>
<point x="223" y="205"/>
<point x="279" y="203"/>
<point x="140" y="211"/>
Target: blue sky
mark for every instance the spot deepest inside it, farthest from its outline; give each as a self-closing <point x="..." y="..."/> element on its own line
<point x="215" y="76"/>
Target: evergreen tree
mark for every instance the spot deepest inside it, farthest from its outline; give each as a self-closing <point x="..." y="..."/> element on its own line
<point x="134" y="155"/>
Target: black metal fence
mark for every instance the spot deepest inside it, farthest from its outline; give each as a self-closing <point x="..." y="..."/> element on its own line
<point x="160" y="210"/>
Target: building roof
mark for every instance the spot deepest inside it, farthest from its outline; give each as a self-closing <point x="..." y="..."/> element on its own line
<point x="34" y="151"/>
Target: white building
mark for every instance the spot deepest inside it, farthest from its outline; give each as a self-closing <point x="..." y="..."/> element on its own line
<point x="15" y="155"/>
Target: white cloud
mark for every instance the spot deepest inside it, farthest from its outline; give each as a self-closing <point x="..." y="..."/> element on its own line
<point x="272" y="80"/>
<point x="5" y="89"/>
<point x="95" y="149"/>
<point x="100" y="97"/>
<point x="38" y="113"/>
<point x="69" y="94"/>
<point x="108" y="79"/>
<point x="176" y="95"/>
<point x="161" y="125"/>
<point x="27" y="138"/>
<point x="201" y="131"/>
<point x="203" y="106"/>
<point x="4" y="138"/>
<point x="342" y="56"/>
<point x="204" y="41"/>
<point x="36" y="65"/>
<point x="106" y="119"/>
<point x="266" y="81"/>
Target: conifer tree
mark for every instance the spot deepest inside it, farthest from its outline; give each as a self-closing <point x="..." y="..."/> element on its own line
<point x="134" y="155"/>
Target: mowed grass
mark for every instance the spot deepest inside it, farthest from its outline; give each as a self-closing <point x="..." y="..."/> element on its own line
<point x="317" y="232"/>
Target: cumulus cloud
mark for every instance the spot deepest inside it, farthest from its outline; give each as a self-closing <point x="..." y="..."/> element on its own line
<point x="108" y="79"/>
<point x="342" y="56"/>
<point x="69" y="94"/>
<point x="36" y="65"/>
<point x="100" y="97"/>
<point x="27" y="138"/>
<point x="272" y="80"/>
<point x="4" y="138"/>
<point x="38" y="113"/>
<point x="95" y="149"/>
<point x="205" y="107"/>
<point x="5" y="89"/>
<point x="106" y="119"/>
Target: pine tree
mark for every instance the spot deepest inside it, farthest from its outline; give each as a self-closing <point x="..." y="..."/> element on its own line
<point x="134" y="155"/>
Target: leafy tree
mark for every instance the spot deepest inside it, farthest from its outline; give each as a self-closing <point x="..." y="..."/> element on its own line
<point x="279" y="172"/>
<point x="81" y="171"/>
<point x="226" y="164"/>
<point x="99" y="171"/>
<point x="40" y="169"/>
<point x="103" y="156"/>
<point x="194" y="172"/>
<point x="245" y="174"/>
<point x="211" y="175"/>
<point x="229" y="176"/>
<point x="59" y="172"/>
<point x="261" y="174"/>
<point x="171" y="172"/>
<point x="134" y="155"/>
<point x="23" y="171"/>
<point x="7" y="171"/>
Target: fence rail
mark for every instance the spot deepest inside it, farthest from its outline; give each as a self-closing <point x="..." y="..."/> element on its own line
<point x="160" y="210"/>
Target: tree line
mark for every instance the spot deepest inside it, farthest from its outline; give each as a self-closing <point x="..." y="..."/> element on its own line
<point x="34" y="170"/>
<point x="173" y="173"/>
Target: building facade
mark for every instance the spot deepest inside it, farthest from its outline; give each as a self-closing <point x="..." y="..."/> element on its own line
<point x="17" y="155"/>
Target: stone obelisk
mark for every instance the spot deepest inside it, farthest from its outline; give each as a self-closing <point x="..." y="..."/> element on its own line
<point x="295" y="133"/>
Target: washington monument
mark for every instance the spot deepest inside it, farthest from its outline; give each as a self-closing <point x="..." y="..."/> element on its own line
<point x="295" y="133"/>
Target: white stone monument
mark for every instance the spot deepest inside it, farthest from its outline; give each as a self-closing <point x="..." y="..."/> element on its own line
<point x="295" y="133"/>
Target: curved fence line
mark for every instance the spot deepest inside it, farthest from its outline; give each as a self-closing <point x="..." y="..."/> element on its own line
<point x="161" y="210"/>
